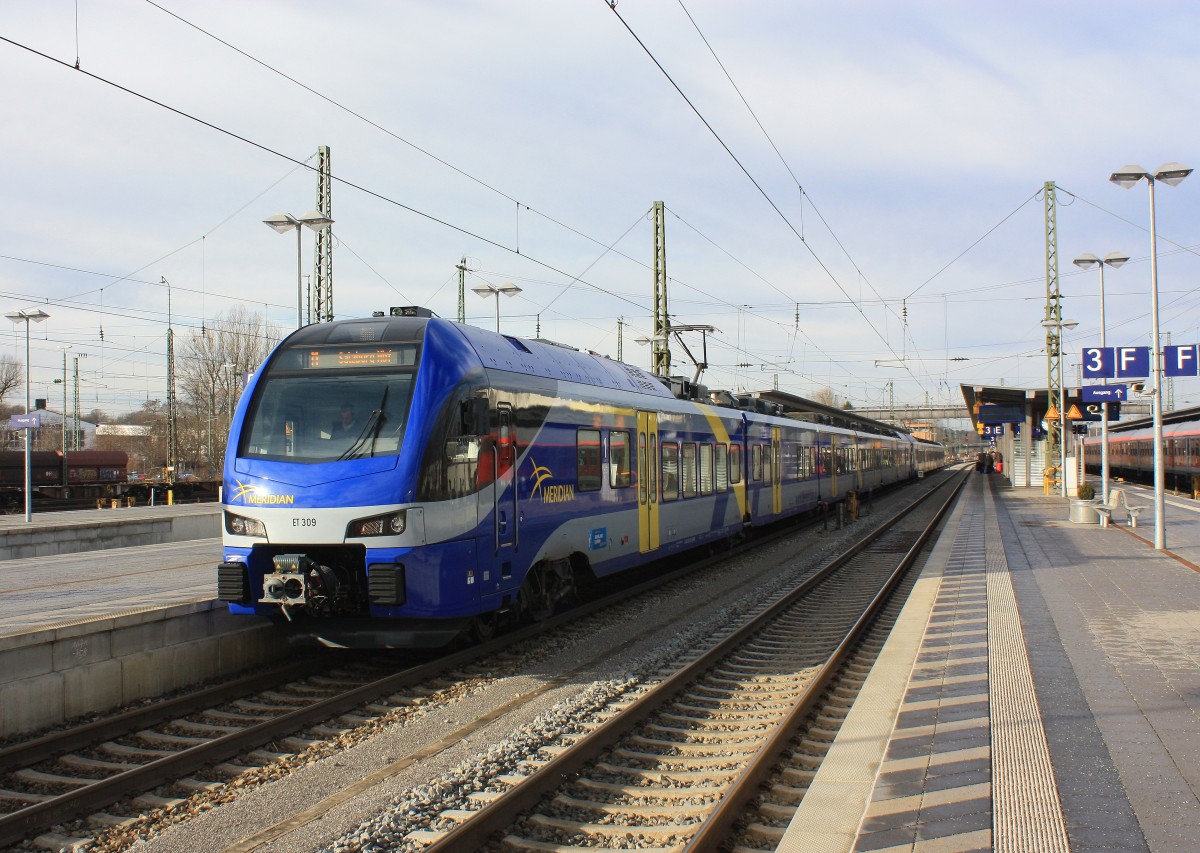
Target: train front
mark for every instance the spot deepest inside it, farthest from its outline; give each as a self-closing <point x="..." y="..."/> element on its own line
<point x="323" y="527"/>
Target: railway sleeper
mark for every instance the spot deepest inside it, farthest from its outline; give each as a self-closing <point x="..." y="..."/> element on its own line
<point x="79" y="762"/>
<point x="106" y="820"/>
<point x="149" y="802"/>
<point x="684" y="748"/>
<point x="689" y="761"/>
<point x="195" y="786"/>
<point x="638" y="811"/>
<point x="137" y="753"/>
<point x="23" y="797"/>
<point x="62" y="843"/>
<point x="163" y="739"/>
<point x="656" y="792"/>
<point x="700" y="734"/>
<point x="787" y="794"/>
<point x="208" y="730"/>
<point x="675" y="777"/>
<point x="777" y="812"/>
<point x="54" y="780"/>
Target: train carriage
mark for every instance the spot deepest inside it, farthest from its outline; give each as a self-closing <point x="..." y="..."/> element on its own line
<point x="487" y="475"/>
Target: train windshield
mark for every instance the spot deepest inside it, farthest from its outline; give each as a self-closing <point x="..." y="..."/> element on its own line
<point x="310" y="416"/>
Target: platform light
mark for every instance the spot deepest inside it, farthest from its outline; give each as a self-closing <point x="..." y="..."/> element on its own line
<point x="485" y="290"/>
<point x="1170" y="174"/>
<point x="25" y="316"/>
<point x="1085" y="262"/>
<point x="285" y="222"/>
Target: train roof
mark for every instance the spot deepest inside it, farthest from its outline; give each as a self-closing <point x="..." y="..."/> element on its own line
<point x="551" y="360"/>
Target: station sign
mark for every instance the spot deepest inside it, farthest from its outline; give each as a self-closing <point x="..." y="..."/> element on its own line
<point x="1116" y="362"/>
<point x="993" y="430"/>
<point x="1180" y="361"/>
<point x="1105" y="393"/>
<point x="33" y="420"/>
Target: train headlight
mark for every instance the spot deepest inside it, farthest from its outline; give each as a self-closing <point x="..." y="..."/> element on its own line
<point x="239" y="525"/>
<point x="389" y="524"/>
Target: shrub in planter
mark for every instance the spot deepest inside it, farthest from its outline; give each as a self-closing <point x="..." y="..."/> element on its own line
<point x="1086" y="492"/>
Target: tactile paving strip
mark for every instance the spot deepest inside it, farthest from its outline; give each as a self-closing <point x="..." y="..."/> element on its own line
<point x="1027" y="812"/>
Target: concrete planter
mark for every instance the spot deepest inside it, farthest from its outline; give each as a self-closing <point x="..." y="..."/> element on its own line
<point x="1084" y="512"/>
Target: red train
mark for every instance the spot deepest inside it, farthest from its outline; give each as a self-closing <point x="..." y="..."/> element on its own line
<point x="85" y="473"/>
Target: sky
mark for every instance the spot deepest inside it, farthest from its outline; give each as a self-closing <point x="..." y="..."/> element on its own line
<point x="854" y="192"/>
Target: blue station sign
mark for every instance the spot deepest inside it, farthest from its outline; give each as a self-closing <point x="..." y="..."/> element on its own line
<point x="1104" y="393"/>
<point x="1116" y="362"/>
<point x="33" y="420"/>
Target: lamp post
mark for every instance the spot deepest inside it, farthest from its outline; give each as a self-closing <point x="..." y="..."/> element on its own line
<point x="485" y="290"/>
<point x="1170" y="174"/>
<point x="285" y="222"/>
<point x="1084" y="262"/>
<point x="1062" y="401"/>
<point x="25" y="317"/>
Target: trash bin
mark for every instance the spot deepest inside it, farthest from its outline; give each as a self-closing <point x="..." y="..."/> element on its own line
<point x="1084" y="512"/>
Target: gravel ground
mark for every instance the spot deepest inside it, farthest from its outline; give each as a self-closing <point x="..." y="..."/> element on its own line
<point x="394" y="781"/>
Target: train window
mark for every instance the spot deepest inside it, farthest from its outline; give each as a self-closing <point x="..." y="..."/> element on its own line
<point x="620" y="474"/>
<point x="687" y="466"/>
<point x="721" y="467"/>
<point x="706" y="469"/>
<point x="653" y="466"/>
<point x="643" y="469"/>
<point x="670" y="471"/>
<point x="735" y="463"/>
<point x="756" y="463"/>
<point x="587" y="460"/>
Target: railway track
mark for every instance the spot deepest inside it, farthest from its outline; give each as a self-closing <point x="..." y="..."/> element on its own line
<point x="103" y="774"/>
<point x="675" y="769"/>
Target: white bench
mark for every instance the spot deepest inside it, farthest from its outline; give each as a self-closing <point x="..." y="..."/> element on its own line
<point x="1117" y="497"/>
<point x="1105" y="510"/>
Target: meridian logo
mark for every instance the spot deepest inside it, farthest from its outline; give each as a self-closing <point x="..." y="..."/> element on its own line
<point x="251" y="495"/>
<point x="550" y="494"/>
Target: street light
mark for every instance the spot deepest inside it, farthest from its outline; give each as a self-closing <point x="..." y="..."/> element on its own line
<point x="1084" y="262"/>
<point x="24" y="316"/>
<point x="1062" y="400"/>
<point x="485" y="290"/>
<point x="285" y="222"/>
<point x="1170" y="174"/>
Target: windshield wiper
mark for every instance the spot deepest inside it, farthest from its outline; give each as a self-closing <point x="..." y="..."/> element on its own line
<point x="369" y="432"/>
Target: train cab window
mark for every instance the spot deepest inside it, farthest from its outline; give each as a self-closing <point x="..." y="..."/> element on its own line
<point x="620" y="474"/>
<point x="735" y="463"/>
<point x="706" y="469"/>
<point x="587" y="460"/>
<point x="756" y="463"/>
<point x="687" y="467"/>
<point x="721" y="468"/>
<point x="670" y="471"/>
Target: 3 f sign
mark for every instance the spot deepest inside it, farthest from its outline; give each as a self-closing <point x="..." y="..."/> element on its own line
<point x="1116" y="362"/>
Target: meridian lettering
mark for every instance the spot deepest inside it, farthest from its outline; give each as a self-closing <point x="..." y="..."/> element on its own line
<point x="558" y="494"/>
<point x="252" y="498"/>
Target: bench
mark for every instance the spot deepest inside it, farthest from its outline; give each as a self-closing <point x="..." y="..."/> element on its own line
<point x="1105" y="510"/>
<point x="1116" y="497"/>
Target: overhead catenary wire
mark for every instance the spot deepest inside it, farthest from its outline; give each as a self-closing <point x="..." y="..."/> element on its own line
<point x="820" y="262"/>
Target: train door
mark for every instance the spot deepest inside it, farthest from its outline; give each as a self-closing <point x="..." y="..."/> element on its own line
<point x="776" y="475"/>
<point x="506" y="514"/>
<point x="647" y="488"/>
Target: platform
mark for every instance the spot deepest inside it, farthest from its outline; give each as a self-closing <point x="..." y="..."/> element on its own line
<point x="50" y="533"/>
<point x="1041" y="692"/>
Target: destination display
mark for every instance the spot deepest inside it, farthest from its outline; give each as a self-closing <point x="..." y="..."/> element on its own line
<point x="350" y="357"/>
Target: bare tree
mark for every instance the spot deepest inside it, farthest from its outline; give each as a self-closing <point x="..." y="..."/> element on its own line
<point x="11" y="375"/>
<point x="210" y="376"/>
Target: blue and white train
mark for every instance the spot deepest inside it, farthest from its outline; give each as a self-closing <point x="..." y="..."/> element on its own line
<point x="484" y="476"/>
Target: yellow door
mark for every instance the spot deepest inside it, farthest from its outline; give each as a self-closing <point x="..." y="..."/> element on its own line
<point x="776" y="472"/>
<point x="647" y="488"/>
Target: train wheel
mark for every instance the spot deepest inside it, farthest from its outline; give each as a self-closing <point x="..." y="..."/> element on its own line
<point x="545" y="586"/>
<point x="484" y="627"/>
